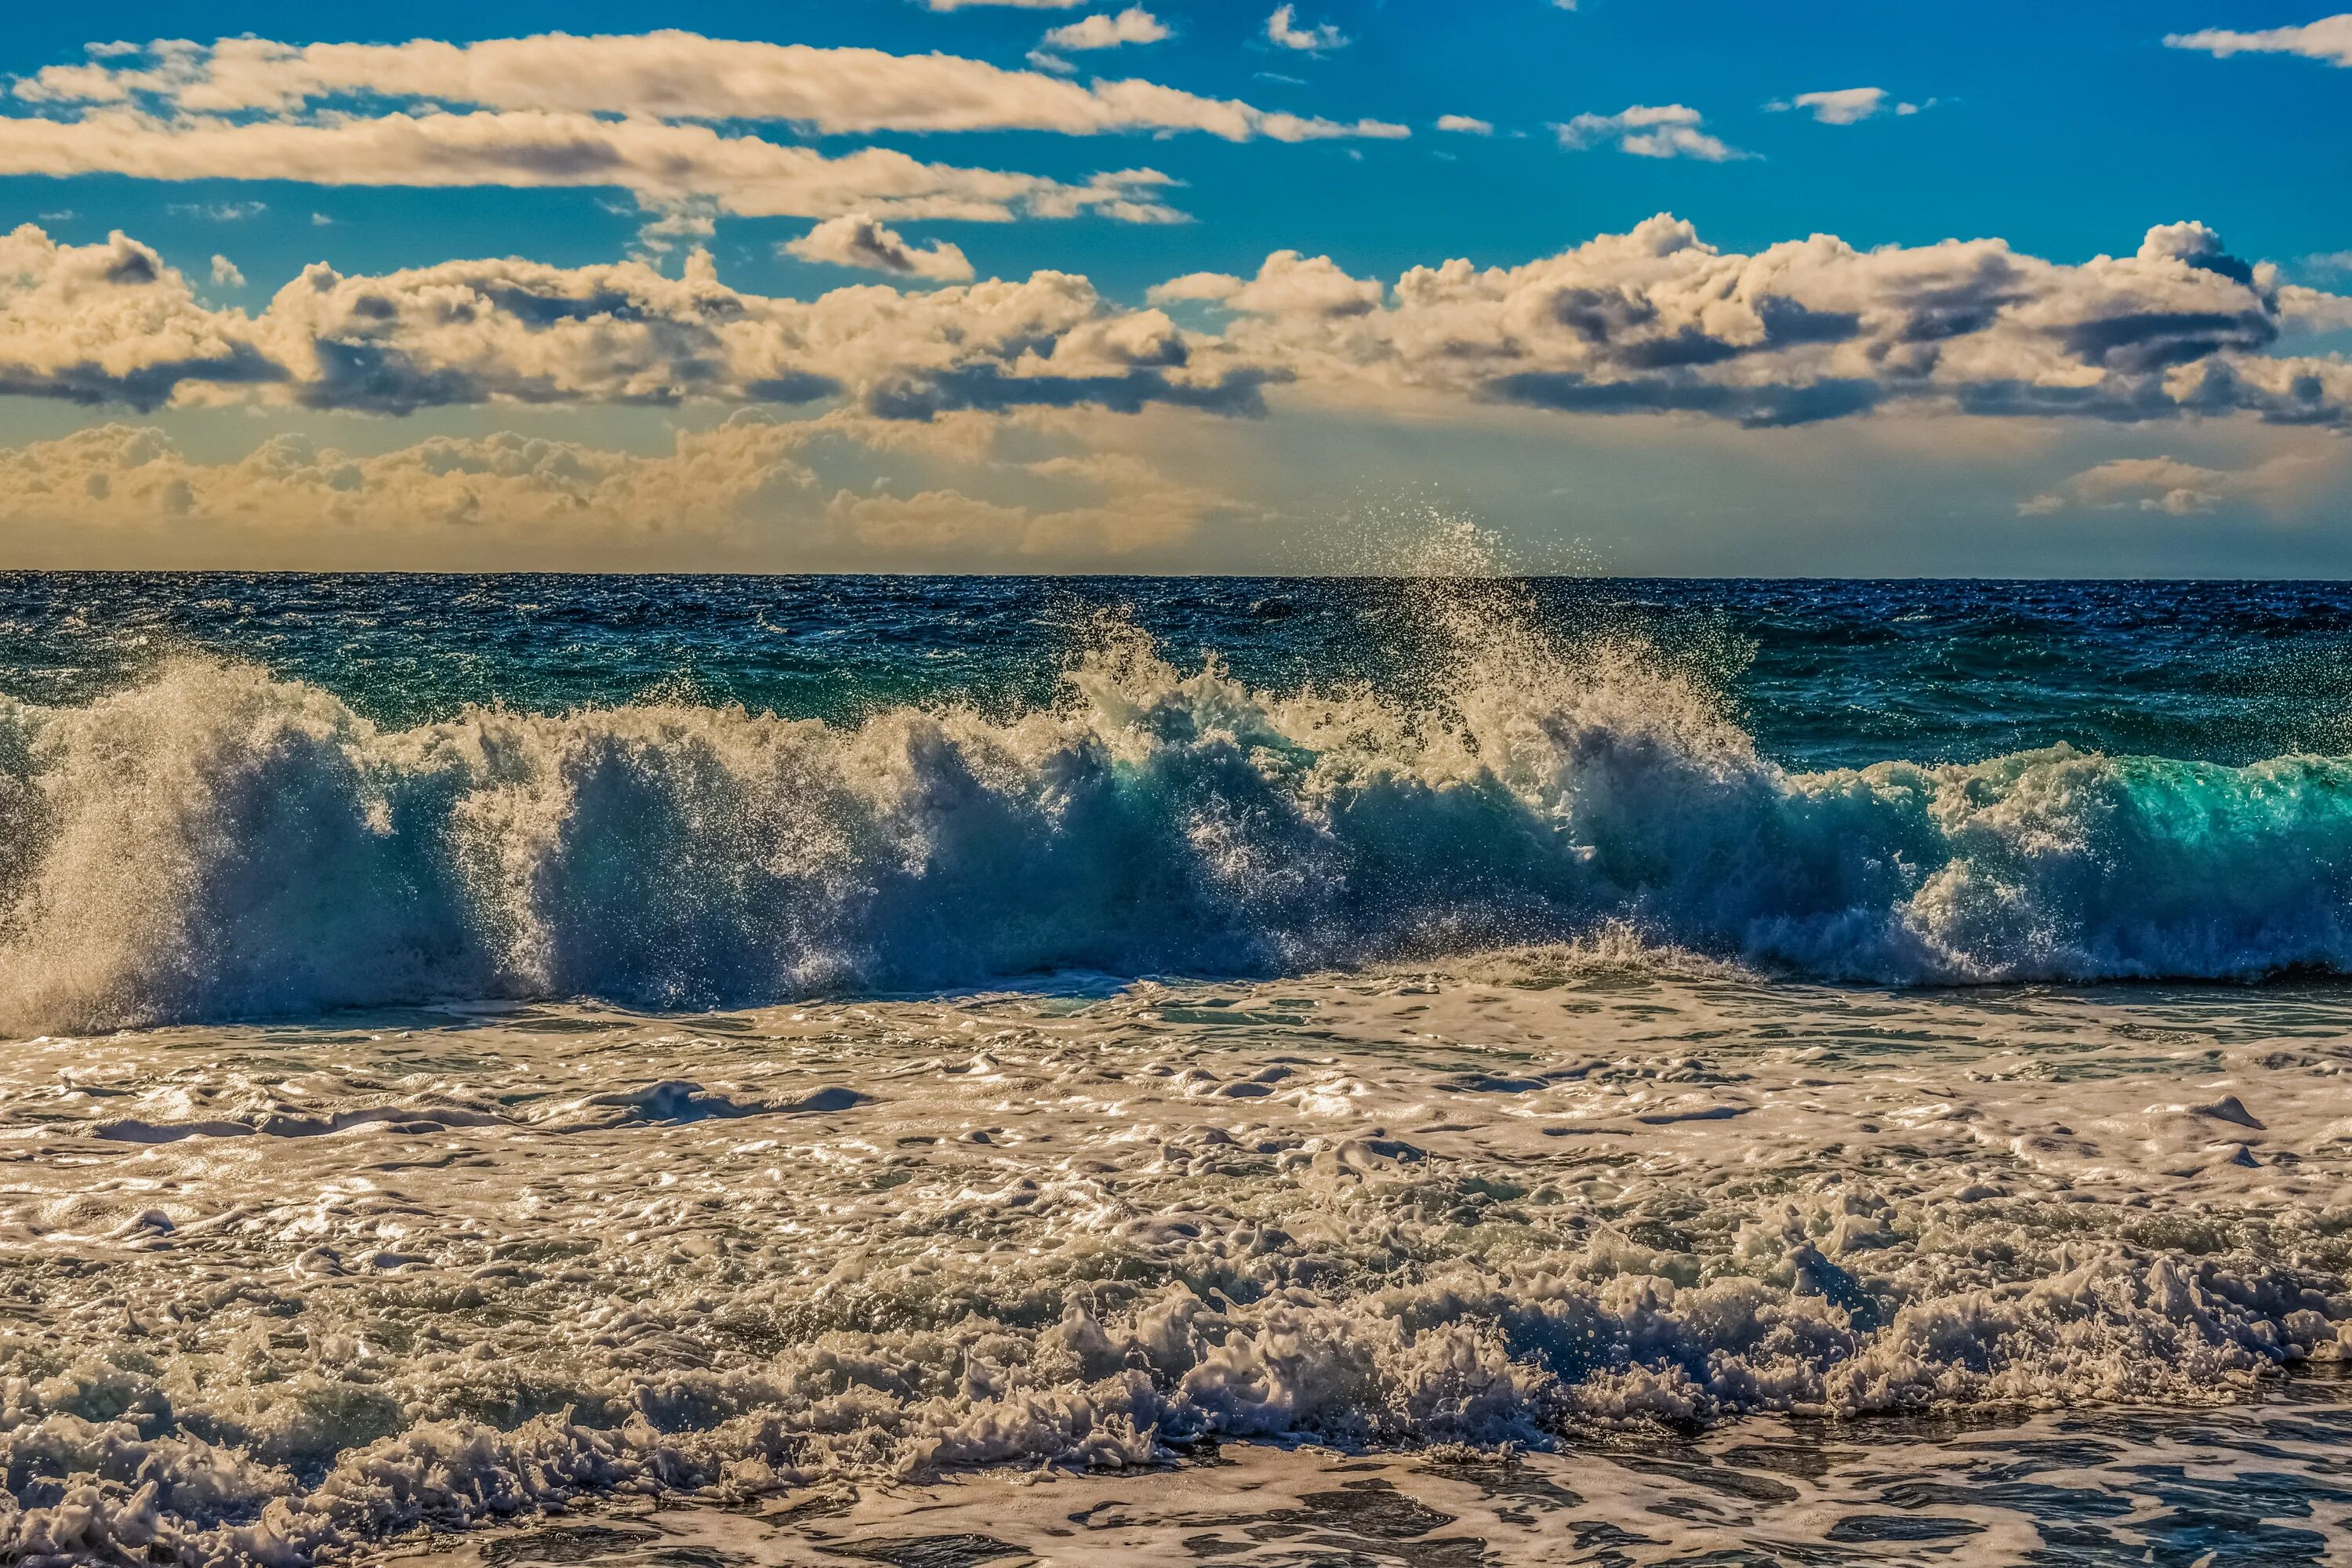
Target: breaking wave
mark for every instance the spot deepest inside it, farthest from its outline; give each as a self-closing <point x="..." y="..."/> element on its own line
<point x="217" y="843"/>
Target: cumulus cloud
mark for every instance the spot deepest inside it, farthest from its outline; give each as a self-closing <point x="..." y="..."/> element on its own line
<point x="1652" y="320"/>
<point x="225" y="274"/>
<point x="669" y="74"/>
<point x="1133" y="26"/>
<point x="1465" y="125"/>
<point x="1648" y="130"/>
<point x="1847" y="105"/>
<point x="1283" y="31"/>
<point x="114" y="323"/>
<point x="859" y="239"/>
<point x="2305" y="309"/>
<point x="1288" y="284"/>
<point x="2329" y="39"/>
<point x="1656" y="320"/>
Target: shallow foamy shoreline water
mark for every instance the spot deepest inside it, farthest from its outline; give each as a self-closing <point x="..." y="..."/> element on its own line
<point x="286" y="1292"/>
<point x="2258" y="1483"/>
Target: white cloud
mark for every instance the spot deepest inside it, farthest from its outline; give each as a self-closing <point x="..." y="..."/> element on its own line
<point x="1649" y="131"/>
<point x="859" y="239"/>
<point x="2329" y="39"/>
<point x="2305" y="309"/>
<point x="1656" y="320"/>
<point x="1465" y="125"/>
<point x="670" y="76"/>
<point x="661" y="164"/>
<point x="1133" y="26"/>
<point x="636" y="113"/>
<point x="1288" y="284"/>
<point x="691" y="221"/>
<point x="115" y="323"/>
<point x="1283" y="31"/>
<point x="1652" y="320"/>
<point x="1848" y="105"/>
<point x="225" y="274"/>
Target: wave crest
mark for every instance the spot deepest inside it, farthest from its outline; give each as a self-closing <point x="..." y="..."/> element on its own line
<point x="218" y="843"/>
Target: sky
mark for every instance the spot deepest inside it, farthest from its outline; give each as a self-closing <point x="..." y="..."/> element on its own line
<point x="1170" y="286"/>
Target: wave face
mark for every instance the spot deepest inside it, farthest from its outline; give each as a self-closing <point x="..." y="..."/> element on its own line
<point x="218" y="843"/>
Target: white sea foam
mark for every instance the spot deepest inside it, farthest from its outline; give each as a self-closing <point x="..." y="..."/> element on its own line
<point x="279" y="1293"/>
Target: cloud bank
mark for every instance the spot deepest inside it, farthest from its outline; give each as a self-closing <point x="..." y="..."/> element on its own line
<point x="661" y="115"/>
<point x="1657" y="321"/>
<point x="661" y="164"/>
<point x="1652" y="320"/>
<point x="669" y="74"/>
<point x="749" y="477"/>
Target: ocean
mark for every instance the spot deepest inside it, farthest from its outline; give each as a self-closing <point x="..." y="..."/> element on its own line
<point x="951" y="1071"/>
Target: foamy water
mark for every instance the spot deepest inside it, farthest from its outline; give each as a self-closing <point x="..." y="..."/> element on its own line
<point x="1503" y="1115"/>
<point x="283" y="1292"/>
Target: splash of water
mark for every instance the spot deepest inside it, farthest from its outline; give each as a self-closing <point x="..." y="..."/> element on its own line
<point x="218" y="843"/>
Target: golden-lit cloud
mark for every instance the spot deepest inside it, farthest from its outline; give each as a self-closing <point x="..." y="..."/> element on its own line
<point x="751" y="479"/>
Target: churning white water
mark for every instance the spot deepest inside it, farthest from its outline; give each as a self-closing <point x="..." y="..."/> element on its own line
<point x="276" y="1293"/>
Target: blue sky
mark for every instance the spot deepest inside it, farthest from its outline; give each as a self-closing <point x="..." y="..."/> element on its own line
<point x="2064" y="133"/>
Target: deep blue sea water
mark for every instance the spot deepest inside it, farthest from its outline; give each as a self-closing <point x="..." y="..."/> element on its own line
<point x="1823" y="673"/>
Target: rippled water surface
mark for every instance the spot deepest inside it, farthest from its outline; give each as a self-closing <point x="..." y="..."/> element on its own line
<point x="2263" y="1485"/>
